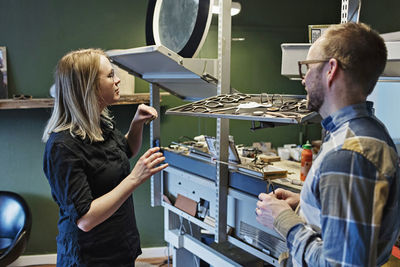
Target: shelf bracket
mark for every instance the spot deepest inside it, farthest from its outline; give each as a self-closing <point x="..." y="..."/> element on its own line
<point x="350" y="11"/>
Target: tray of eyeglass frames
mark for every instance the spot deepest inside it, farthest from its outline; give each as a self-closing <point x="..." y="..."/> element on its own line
<point x="274" y="108"/>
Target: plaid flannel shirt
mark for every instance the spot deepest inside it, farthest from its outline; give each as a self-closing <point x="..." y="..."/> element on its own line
<point x="349" y="204"/>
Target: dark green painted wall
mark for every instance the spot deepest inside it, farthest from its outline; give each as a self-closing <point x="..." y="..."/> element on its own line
<point x="37" y="33"/>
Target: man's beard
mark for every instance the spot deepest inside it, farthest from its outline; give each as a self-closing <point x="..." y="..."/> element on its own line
<point x="315" y="97"/>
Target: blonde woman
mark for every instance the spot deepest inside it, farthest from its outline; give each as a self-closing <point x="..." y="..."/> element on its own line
<point x="86" y="164"/>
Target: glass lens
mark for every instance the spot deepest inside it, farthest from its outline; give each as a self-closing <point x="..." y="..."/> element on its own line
<point x="303" y="70"/>
<point x="177" y="21"/>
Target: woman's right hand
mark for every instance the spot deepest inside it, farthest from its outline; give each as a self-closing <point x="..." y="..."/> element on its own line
<point x="103" y="207"/>
<point x="290" y="197"/>
<point x="147" y="165"/>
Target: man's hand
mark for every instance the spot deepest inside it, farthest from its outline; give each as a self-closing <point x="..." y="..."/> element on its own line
<point x="269" y="207"/>
<point x="291" y="198"/>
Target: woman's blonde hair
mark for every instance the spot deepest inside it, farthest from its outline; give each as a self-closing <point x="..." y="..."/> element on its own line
<point x="76" y="103"/>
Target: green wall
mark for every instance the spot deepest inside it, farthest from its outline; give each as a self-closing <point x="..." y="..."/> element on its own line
<point x="37" y="33"/>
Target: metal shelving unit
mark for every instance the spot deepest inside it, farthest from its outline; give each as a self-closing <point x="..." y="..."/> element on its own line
<point x="223" y="196"/>
<point x="194" y="79"/>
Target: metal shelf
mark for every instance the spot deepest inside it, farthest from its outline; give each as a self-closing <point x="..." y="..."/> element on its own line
<point x="138" y="98"/>
<point x="187" y="78"/>
<point x="228" y="112"/>
<point x="188" y="217"/>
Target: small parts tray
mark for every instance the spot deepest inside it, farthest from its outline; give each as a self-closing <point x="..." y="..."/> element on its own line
<point x="276" y="108"/>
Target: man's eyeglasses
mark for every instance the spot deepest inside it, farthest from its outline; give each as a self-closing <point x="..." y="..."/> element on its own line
<point x="304" y="65"/>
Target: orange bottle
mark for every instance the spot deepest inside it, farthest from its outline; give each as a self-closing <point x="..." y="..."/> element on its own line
<point x="306" y="161"/>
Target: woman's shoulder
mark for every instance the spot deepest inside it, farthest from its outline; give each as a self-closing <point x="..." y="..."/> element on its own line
<point x="60" y="137"/>
<point x="63" y="139"/>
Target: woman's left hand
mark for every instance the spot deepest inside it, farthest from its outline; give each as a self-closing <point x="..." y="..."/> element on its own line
<point x="145" y="114"/>
<point x="147" y="165"/>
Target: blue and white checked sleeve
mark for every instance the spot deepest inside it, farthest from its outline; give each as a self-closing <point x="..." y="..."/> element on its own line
<point x="352" y="196"/>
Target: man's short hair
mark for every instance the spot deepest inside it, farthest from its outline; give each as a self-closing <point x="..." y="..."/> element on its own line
<point x="359" y="49"/>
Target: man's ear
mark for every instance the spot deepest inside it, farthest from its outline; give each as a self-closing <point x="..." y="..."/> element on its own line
<point x="333" y="70"/>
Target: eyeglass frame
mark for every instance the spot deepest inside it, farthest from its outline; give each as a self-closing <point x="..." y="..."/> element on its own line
<point x="307" y="62"/>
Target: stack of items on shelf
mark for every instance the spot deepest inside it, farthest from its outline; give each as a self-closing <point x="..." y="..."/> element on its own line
<point x="256" y="160"/>
<point x="263" y="105"/>
<point x="259" y="160"/>
<point x="293" y="151"/>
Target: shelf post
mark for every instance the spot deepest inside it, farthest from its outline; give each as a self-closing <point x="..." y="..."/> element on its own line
<point x="350" y="11"/>
<point x="155" y="135"/>
<point x="224" y="63"/>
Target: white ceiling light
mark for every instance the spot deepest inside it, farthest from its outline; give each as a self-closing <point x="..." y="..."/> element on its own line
<point x="235" y="8"/>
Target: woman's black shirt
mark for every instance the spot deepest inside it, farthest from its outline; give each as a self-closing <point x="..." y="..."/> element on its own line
<point x="79" y="172"/>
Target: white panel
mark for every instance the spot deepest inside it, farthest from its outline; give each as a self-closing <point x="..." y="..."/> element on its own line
<point x="292" y="53"/>
<point x="158" y="64"/>
<point x="386" y="98"/>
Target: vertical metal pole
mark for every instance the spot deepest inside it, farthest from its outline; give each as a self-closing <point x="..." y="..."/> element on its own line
<point x="155" y="187"/>
<point x="350" y="11"/>
<point x="224" y="63"/>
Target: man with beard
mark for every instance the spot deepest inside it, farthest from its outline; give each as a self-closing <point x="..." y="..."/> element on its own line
<point x="350" y="201"/>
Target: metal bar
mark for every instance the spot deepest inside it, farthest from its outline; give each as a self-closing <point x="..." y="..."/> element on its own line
<point x="155" y="181"/>
<point x="188" y="217"/>
<point x="350" y="11"/>
<point x="253" y="251"/>
<point x="200" y="249"/>
<point x="224" y="62"/>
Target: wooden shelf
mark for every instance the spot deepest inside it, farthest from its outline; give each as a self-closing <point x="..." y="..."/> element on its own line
<point x="138" y="98"/>
<point x="24" y="104"/>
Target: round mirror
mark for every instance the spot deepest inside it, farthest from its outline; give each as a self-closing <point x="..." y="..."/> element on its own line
<point x="179" y="25"/>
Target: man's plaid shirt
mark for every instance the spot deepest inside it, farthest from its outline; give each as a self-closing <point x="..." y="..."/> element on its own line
<point x="349" y="207"/>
